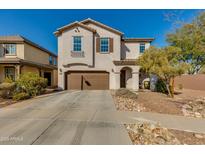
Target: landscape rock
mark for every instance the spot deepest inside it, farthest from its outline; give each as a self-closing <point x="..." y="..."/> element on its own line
<point x="128" y="104"/>
<point x="198" y="115"/>
<point x="195" y="108"/>
<point x="186" y="106"/>
<point x="147" y="133"/>
<point x="199" y="136"/>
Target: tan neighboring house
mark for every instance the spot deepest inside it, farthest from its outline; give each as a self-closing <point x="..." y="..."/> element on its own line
<point x="92" y="55"/>
<point x="19" y="55"/>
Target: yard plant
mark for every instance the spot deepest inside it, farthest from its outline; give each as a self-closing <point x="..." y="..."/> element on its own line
<point x="26" y="86"/>
<point x="31" y="84"/>
<point x="165" y="63"/>
<point x="7" y="88"/>
<point x="190" y="38"/>
<point x="186" y="54"/>
<point x="20" y="96"/>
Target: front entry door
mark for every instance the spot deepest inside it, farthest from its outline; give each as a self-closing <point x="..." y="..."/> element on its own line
<point x="47" y="75"/>
<point x="122" y="79"/>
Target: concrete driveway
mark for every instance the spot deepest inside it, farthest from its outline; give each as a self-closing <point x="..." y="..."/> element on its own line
<point x="71" y="117"/>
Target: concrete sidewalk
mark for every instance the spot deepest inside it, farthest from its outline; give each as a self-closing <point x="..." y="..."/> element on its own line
<point x="189" y="124"/>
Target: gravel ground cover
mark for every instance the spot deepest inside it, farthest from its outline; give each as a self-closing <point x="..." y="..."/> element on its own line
<point x="147" y="101"/>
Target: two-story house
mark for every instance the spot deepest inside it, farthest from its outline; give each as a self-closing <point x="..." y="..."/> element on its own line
<point x="92" y="55"/>
<point x="19" y="55"/>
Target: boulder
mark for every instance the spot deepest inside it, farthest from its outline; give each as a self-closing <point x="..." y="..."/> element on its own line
<point x="148" y="133"/>
<point x="195" y="108"/>
<point x="199" y="136"/>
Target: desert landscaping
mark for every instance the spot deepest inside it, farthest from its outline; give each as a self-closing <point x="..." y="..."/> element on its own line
<point x="183" y="104"/>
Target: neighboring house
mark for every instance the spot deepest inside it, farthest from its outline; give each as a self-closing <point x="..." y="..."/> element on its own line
<point x="19" y="55"/>
<point x="92" y="55"/>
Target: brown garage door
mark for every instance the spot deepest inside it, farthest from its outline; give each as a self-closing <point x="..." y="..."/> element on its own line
<point x="87" y="80"/>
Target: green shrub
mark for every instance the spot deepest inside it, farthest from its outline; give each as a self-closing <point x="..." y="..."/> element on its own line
<point x="161" y="87"/>
<point x="31" y="83"/>
<point x="20" y="96"/>
<point x="7" y="89"/>
<point x="8" y="80"/>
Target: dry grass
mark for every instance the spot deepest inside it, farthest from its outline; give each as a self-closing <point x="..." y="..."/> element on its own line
<point x="159" y="103"/>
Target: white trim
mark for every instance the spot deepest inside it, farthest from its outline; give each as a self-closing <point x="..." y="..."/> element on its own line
<point x="9" y="54"/>
<point x="103" y="25"/>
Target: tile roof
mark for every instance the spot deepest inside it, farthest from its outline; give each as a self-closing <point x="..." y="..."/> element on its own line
<point x="89" y="20"/>
<point x="21" y="39"/>
<point x="137" y="39"/>
<point x="71" y="25"/>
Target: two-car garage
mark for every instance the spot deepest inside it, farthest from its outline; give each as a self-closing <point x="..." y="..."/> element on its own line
<point x="87" y="80"/>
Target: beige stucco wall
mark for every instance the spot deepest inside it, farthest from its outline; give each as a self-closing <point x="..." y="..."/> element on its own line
<point x="128" y="78"/>
<point x="20" y="50"/>
<point x="30" y="53"/>
<point x="1" y="73"/>
<point x="67" y="47"/>
<point x="132" y="83"/>
<point x="101" y="32"/>
<point x="55" y="77"/>
<point x="34" y="54"/>
<point x="26" y="69"/>
<point x="102" y="62"/>
<point x="131" y="50"/>
<point x="194" y="82"/>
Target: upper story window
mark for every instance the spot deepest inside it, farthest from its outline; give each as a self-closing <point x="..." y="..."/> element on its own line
<point x="104" y="45"/>
<point x="10" y="49"/>
<point x="142" y="47"/>
<point x="54" y="61"/>
<point x="50" y="60"/>
<point x="77" y="43"/>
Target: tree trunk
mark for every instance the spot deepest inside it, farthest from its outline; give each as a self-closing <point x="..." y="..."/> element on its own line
<point x="171" y="86"/>
<point x="168" y="89"/>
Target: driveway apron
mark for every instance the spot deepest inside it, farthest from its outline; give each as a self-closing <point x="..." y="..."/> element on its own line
<point x="64" y="118"/>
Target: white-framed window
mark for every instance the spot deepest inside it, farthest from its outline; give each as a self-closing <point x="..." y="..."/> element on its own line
<point x="77" y="43"/>
<point x="10" y="49"/>
<point x="104" y="45"/>
<point x="142" y="47"/>
<point x="9" y="72"/>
